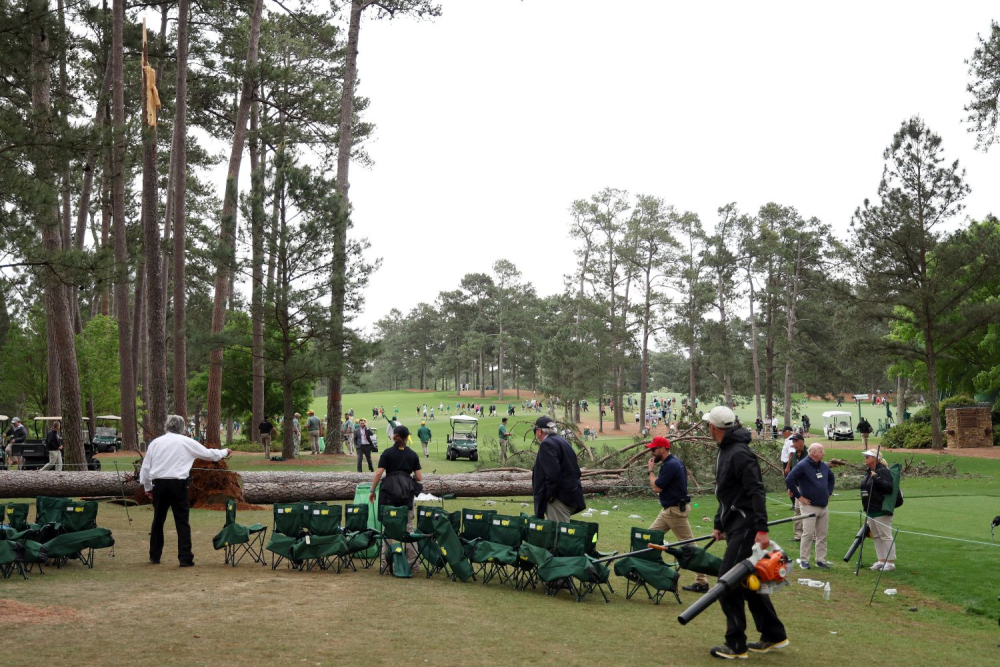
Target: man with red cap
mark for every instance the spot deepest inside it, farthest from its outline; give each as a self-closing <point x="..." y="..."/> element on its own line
<point x="671" y="485"/>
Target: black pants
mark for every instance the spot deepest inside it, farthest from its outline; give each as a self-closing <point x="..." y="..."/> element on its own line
<point x="366" y="451"/>
<point x="171" y="494"/>
<point x="739" y="544"/>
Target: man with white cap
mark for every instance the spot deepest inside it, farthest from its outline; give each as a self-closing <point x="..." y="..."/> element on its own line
<point x="741" y="521"/>
<point x="671" y="485"/>
<point x="17" y="434"/>
<point x="875" y="487"/>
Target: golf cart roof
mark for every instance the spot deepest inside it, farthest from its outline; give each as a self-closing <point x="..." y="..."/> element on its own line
<point x="4" y="418"/>
<point x="463" y="419"/>
<point x="55" y="419"/>
<point x="108" y="417"/>
<point x="836" y="413"/>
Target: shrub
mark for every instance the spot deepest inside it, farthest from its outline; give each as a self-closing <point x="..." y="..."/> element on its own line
<point x="921" y="416"/>
<point x="908" y="435"/>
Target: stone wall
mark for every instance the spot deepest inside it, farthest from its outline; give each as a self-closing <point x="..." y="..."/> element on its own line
<point x="968" y="427"/>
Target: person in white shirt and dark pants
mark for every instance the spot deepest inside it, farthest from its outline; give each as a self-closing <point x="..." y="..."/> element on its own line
<point x="165" y="475"/>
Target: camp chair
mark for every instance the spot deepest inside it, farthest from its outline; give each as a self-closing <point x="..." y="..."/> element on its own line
<point x="394" y="520"/>
<point x="496" y="555"/>
<point x="536" y="548"/>
<point x="9" y="560"/>
<point x="362" y="541"/>
<point x="238" y="540"/>
<point x="77" y="516"/>
<point x="450" y="546"/>
<point x="48" y="510"/>
<point x="430" y="552"/>
<point x="289" y="522"/>
<point x="322" y="542"/>
<point x="16" y="516"/>
<point x="696" y="559"/>
<point x="475" y="527"/>
<point x="571" y="568"/>
<point x="647" y="569"/>
<point x="73" y="545"/>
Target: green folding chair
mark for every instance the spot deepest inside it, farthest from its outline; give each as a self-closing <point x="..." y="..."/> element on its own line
<point x="394" y="530"/>
<point x="498" y="554"/>
<point x="16" y="516"/>
<point x="74" y="545"/>
<point x="9" y="560"/>
<point x="451" y="547"/>
<point x="238" y="540"/>
<point x="48" y="510"/>
<point x="289" y="525"/>
<point x="432" y="557"/>
<point x="323" y="519"/>
<point x="536" y="548"/>
<point x="321" y="551"/>
<point x="647" y="571"/>
<point x="362" y="541"/>
<point x="475" y="527"/>
<point x="77" y="516"/>
<point x="571" y="568"/>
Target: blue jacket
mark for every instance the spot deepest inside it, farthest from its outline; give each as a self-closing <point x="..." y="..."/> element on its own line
<point x="672" y="481"/>
<point x="813" y="480"/>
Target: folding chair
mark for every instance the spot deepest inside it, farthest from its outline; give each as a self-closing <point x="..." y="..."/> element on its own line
<point x="9" y="560"/>
<point x="498" y="553"/>
<point x="475" y="527"/>
<point x="16" y="516"/>
<point x="571" y="568"/>
<point x="238" y="540"/>
<point x="647" y="569"/>
<point x="289" y="522"/>
<point x="72" y="545"/>
<point x="451" y="547"/>
<point x="322" y="541"/>
<point x="536" y="548"/>
<point x="394" y="520"/>
<point x="362" y="541"/>
<point x="431" y="555"/>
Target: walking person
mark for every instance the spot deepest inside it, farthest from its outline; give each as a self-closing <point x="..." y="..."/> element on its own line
<point x="364" y="443"/>
<point x="671" y="485"/>
<point x="741" y="521"/>
<point x="424" y="435"/>
<point x="555" y="479"/>
<point x="811" y="484"/>
<point x="312" y="426"/>
<point x="865" y="429"/>
<point x="266" y="428"/>
<point x="54" y="445"/>
<point x="165" y="476"/>
<point x="876" y="486"/>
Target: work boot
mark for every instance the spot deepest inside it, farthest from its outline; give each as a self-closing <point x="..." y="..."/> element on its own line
<point x="727" y="653"/>
<point x="696" y="588"/>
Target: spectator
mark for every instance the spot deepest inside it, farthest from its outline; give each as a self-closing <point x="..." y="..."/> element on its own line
<point x="795" y="455"/>
<point x="347" y="434"/>
<point x="16" y="434"/>
<point x="165" y="476"/>
<point x="865" y="429"/>
<point x="759" y="427"/>
<point x="54" y="445"/>
<point x="874" y="489"/>
<point x="424" y="435"/>
<point x="671" y="485"/>
<point x="401" y="467"/>
<point x="555" y="479"/>
<point x="312" y="426"/>
<point x="364" y="443"/>
<point x="741" y="521"/>
<point x="811" y="484"/>
<point x="296" y="435"/>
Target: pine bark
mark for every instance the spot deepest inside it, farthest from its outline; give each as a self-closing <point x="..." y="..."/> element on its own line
<point x="257" y="286"/>
<point x="179" y="212"/>
<point x="227" y="232"/>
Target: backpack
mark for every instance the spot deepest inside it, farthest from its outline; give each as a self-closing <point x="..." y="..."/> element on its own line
<point x="899" y="498"/>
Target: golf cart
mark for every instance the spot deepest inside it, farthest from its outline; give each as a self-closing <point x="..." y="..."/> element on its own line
<point x="462" y="441"/>
<point x="107" y="434"/>
<point x="837" y="425"/>
<point x="33" y="454"/>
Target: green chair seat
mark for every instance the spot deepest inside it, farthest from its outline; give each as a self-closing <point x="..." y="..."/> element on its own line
<point x="646" y="574"/>
<point x="451" y="547"/>
<point x="72" y="545"/>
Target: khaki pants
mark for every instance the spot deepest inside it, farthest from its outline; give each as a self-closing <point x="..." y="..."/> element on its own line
<point x="55" y="461"/>
<point x="314" y="441"/>
<point x="881" y="527"/>
<point x="349" y="443"/>
<point x="815" y="530"/>
<point x="797" y="525"/>
<point x="557" y="510"/>
<point x="426" y="451"/>
<point x="672" y="519"/>
<point x="864" y="441"/>
<point x="265" y="439"/>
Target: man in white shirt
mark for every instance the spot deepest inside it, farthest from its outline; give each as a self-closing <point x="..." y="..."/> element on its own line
<point x="786" y="448"/>
<point x="165" y="476"/>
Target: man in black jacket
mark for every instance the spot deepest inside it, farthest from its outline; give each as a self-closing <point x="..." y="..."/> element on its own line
<point x="741" y="521"/>
<point x="364" y="443"/>
<point x="54" y="445"/>
<point x="875" y="487"/>
<point x="555" y="479"/>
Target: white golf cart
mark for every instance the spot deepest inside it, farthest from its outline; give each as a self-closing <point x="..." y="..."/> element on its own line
<point x="462" y="441"/>
<point x="107" y="436"/>
<point x="837" y="425"/>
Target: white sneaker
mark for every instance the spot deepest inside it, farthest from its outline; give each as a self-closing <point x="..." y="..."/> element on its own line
<point x="889" y="567"/>
<point x="877" y="566"/>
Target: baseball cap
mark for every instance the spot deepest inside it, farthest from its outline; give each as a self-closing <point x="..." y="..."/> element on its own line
<point x="16" y="420"/>
<point x="402" y="431"/>
<point x="544" y="422"/>
<point x="869" y="452"/>
<point x="721" y="417"/>
<point x="798" y="436"/>
<point x="658" y="441"/>
<point x="422" y="422"/>
<point x="786" y="427"/>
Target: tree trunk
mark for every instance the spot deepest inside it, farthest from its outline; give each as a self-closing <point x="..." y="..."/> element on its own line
<point x="127" y="374"/>
<point x="791" y="304"/>
<point x="937" y="442"/>
<point x="227" y="233"/>
<point x="156" y="362"/>
<point x="753" y="347"/>
<point x="901" y="385"/>
<point x="179" y="211"/>
<point x="257" y="280"/>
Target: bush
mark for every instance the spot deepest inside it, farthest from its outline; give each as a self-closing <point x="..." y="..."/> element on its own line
<point x="908" y="435"/>
<point x="921" y="416"/>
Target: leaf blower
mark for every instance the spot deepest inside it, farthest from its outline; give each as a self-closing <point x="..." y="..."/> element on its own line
<point x="763" y="572"/>
<point x="858" y="539"/>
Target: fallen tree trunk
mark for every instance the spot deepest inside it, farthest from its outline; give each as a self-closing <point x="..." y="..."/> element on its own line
<point x="271" y="487"/>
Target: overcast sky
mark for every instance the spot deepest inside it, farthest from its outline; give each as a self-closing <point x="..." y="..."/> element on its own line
<point x="493" y="118"/>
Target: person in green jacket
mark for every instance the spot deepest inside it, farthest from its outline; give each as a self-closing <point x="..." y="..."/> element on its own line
<point x="424" y="434"/>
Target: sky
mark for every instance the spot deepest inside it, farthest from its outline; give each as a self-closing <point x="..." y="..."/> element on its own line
<point x="493" y="118"/>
